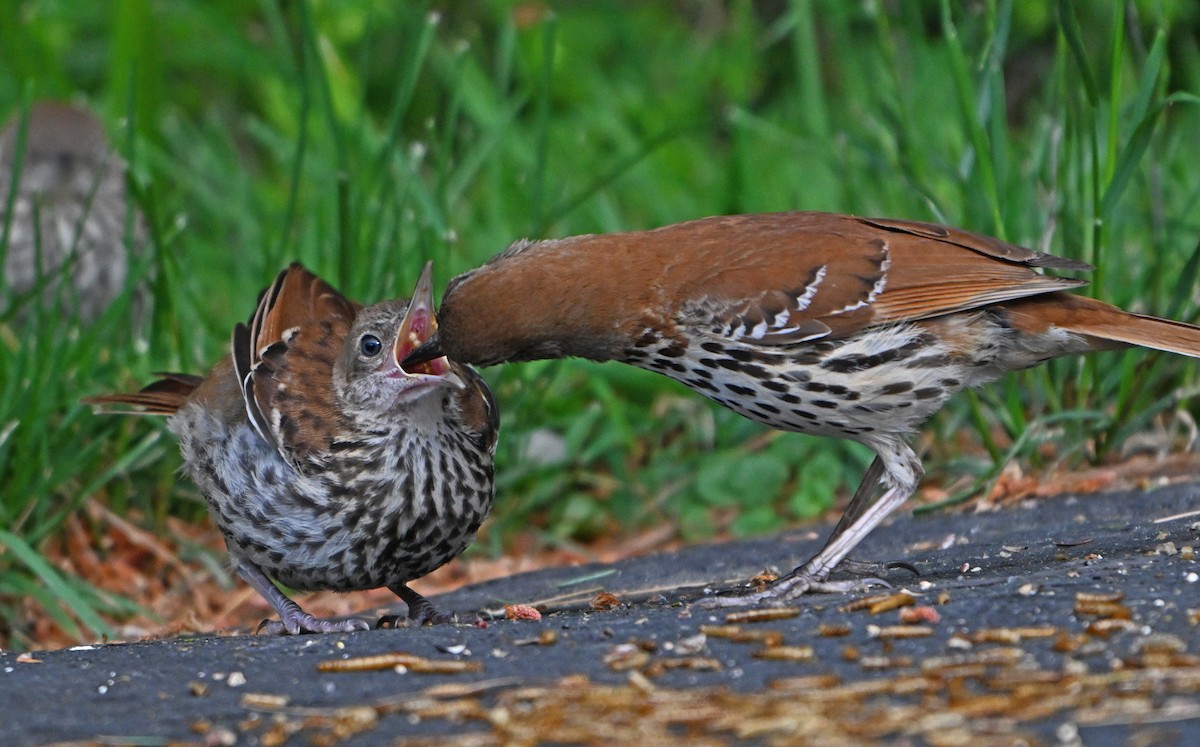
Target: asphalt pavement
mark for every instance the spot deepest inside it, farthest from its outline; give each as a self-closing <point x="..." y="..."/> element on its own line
<point x="1071" y="620"/>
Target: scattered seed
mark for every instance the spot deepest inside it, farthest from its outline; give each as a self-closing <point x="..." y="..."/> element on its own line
<point x="785" y="653"/>
<point x="1011" y="635"/>
<point x="885" y="662"/>
<point x="720" y="631"/>
<point x="806" y="684"/>
<point x="604" y="601"/>
<point x="1159" y="643"/>
<point x="864" y="603"/>
<point x="521" y="612"/>
<point x="438" y="666"/>
<point x="766" y="614"/>
<point x="264" y="701"/>
<point x="1065" y="643"/>
<point x="1099" y="596"/>
<point x="698" y="663"/>
<point x="738" y="635"/>
<point x="895" y="601"/>
<point x="1113" y="610"/>
<point x="922" y="614"/>
<point x="834" y="630"/>
<point x="888" y="632"/>
<point x="626" y="657"/>
<point x="1108" y="626"/>
<point x="198" y="689"/>
<point x="396" y="659"/>
<point x="693" y="644"/>
<point x="984" y="657"/>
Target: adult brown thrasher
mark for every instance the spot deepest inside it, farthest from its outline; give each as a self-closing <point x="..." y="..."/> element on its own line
<point x="325" y="464"/>
<point x="827" y="324"/>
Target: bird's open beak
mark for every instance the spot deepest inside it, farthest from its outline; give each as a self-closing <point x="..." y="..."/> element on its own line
<point x="429" y="350"/>
<point x="416" y="331"/>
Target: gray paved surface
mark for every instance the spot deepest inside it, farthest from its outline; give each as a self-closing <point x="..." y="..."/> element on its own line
<point x="1017" y="654"/>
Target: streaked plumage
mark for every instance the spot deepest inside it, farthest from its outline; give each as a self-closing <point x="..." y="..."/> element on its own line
<point x="325" y="464"/>
<point x="827" y="324"/>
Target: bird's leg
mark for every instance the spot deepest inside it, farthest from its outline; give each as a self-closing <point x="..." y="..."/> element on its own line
<point x="898" y="465"/>
<point x="868" y="571"/>
<point x="292" y="619"/>
<point x="420" y="610"/>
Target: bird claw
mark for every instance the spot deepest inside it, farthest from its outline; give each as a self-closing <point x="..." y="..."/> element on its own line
<point x="789" y="588"/>
<point x="306" y="623"/>
<point x="416" y="621"/>
<point x="874" y="571"/>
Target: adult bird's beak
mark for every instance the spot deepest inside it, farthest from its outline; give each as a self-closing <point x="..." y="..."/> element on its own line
<point x="417" y="331"/>
<point x="427" y="351"/>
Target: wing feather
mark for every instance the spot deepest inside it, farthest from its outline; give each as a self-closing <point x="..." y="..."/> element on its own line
<point x="284" y="360"/>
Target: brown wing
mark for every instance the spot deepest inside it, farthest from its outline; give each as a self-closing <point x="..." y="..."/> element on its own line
<point x="786" y="278"/>
<point x="481" y="415"/>
<point x="162" y="397"/>
<point x="284" y="360"/>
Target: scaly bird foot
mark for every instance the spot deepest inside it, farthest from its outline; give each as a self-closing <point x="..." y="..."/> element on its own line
<point x="420" y="611"/>
<point x="788" y="588"/>
<point x="303" y="622"/>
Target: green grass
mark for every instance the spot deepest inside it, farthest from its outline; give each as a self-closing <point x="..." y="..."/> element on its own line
<point x="364" y="137"/>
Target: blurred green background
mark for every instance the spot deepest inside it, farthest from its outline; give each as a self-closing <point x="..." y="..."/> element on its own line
<point x="366" y="136"/>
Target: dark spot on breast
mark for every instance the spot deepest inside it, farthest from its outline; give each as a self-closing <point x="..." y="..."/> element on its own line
<point x="713" y="347"/>
<point x="928" y="393"/>
<point x="758" y="372"/>
<point x="896" y="387"/>
<point x="859" y="362"/>
<point x="824" y="404"/>
<point x="934" y="360"/>
<point x="745" y="391"/>
<point x="702" y="384"/>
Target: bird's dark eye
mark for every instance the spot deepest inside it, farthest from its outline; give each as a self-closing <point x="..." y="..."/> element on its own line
<point x="370" y="345"/>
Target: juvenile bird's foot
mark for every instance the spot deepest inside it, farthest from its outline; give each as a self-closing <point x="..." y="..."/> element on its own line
<point x="420" y="611"/>
<point x="292" y="619"/>
<point x="303" y="622"/>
